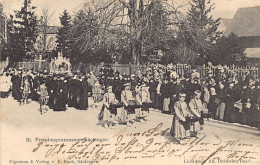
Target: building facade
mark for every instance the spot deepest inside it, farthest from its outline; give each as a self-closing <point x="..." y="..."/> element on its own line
<point x="246" y="25"/>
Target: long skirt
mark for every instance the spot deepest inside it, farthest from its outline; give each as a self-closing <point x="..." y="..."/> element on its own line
<point x="52" y="100"/>
<point x="16" y="93"/>
<point x="83" y="103"/>
<point x="138" y="112"/>
<point x="196" y="127"/>
<point x="141" y="114"/>
<point x="107" y="116"/>
<point x="122" y="114"/>
<point x="178" y="130"/>
<point x="130" y="112"/>
<point x="166" y="103"/>
<point x="230" y="113"/>
<point x="221" y="111"/>
<point x="60" y="103"/>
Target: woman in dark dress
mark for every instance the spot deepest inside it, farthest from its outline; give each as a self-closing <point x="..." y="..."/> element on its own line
<point x="61" y="96"/>
<point x="83" y="104"/>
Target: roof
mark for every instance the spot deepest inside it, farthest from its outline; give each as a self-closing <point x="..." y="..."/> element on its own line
<point x="228" y="25"/>
<point x="252" y="52"/>
<point x="246" y="22"/>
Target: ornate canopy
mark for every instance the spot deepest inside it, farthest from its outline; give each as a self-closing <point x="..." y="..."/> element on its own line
<point x="60" y="64"/>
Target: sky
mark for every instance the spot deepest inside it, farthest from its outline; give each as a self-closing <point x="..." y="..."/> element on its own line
<point x="223" y="8"/>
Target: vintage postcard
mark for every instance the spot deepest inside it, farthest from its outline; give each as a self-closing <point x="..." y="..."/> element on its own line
<point x="129" y="82"/>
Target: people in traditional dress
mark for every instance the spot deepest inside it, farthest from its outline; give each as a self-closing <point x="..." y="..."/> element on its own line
<point x="77" y="90"/>
<point x="61" y="95"/>
<point x="16" y="85"/>
<point x="110" y="109"/>
<point x="213" y="104"/>
<point x="117" y="87"/>
<point x="232" y="97"/>
<point x="197" y="108"/>
<point x="177" y="88"/>
<point x="180" y="128"/>
<point x="128" y="112"/>
<point x="249" y="100"/>
<point x="139" y="103"/>
<point x="83" y="104"/>
<point x="146" y="101"/>
<point x="222" y="95"/>
<point x="97" y="94"/>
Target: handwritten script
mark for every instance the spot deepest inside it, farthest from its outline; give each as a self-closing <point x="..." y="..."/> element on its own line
<point x="150" y="144"/>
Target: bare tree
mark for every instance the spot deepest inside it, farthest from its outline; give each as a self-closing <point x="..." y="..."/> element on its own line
<point x="128" y="20"/>
<point x="47" y="18"/>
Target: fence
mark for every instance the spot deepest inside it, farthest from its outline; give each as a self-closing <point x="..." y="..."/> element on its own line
<point x="181" y="69"/>
<point x="121" y="68"/>
<point x="35" y="66"/>
<point x="241" y="71"/>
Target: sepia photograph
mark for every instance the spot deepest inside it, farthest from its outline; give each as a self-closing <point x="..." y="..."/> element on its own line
<point x="129" y="82"/>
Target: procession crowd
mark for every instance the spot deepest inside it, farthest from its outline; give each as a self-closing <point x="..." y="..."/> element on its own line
<point x="127" y="99"/>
